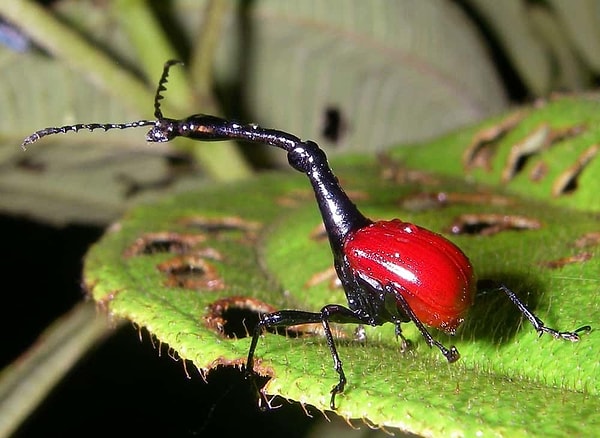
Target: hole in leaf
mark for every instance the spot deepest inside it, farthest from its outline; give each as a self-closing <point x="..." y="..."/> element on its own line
<point x="236" y="317"/>
<point x="329" y="275"/>
<point x="334" y="124"/>
<point x="560" y="134"/>
<point x="223" y="225"/>
<point x="567" y="181"/>
<point x="534" y="142"/>
<point x="488" y="224"/>
<point x="588" y="240"/>
<point x="482" y="148"/>
<point x="152" y="243"/>
<point x="191" y="272"/>
<point x="541" y="138"/>
<point x="575" y="258"/>
<point x="431" y="201"/>
<point x="396" y="172"/>
<point x="238" y="322"/>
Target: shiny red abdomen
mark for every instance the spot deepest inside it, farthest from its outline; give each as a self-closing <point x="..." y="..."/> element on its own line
<point x="432" y="274"/>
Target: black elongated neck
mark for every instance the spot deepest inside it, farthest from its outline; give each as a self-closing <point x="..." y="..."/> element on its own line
<point x="204" y="127"/>
<point x="339" y="213"/>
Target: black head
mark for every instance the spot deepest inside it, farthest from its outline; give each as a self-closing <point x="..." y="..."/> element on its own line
<point x="307" y="157"/>
<point x="163" y="130"/>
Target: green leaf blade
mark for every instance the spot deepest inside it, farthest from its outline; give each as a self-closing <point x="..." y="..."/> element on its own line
<point x="509" y="381"/>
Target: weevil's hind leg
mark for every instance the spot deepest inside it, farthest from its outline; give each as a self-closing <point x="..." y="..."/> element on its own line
<point x="451" y="354"/>
<point x="537" y="323"/>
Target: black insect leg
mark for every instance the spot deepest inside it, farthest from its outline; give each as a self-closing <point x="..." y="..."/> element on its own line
<point x="405" y="344"/>
<point x="288" y="318"/>
<point x="282" y="318"/>
<point x="339" y="314"/>
<point x="451" y="354"/>
<point x="537" y="323"/>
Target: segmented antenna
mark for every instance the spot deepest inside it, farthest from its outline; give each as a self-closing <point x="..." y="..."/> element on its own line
<point x="106" y="126"/>
<point x="75" y="128"/>
<point x="161" y="87"/>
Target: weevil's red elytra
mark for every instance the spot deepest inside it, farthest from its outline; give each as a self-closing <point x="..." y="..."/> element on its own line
<point x="432" y="273"/>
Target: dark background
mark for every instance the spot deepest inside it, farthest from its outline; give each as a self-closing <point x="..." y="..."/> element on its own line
<point x="123" y="382"/>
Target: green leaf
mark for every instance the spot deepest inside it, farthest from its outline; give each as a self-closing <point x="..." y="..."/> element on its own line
<point x="183" y="267"/>
<point x="581" y="27"/>
<point x="92" y="79"/>
<point x="73" y="178"/>
<point x="394" y="72"/>
<point x="559" y="157"/>
<point x="85" y="177"/>
<point x="551" y="45"/>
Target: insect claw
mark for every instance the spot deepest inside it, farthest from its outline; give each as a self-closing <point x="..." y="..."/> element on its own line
<point x="452" y="355"/>
<point x="584" y="329"/>
<point x="568" y="336"/>
<point x="574" y="335"/>
<point x="265" y="403"/>
<point x="334" y="392"/>
<point x="405" y="345"/>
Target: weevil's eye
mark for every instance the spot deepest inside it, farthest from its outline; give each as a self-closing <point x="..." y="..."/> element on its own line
<point x="164" y="130"/>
